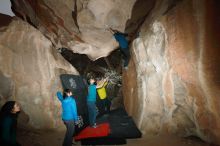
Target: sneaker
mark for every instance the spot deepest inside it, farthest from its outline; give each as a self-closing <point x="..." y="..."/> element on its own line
<point x="126" y="67"/>
<point x="74" y="143"/>
<point x="94" y="126"/>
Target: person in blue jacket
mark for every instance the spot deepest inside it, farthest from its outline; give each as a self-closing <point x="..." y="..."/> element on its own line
<point x="8" y="123"/>
<point x="123" y="45"/>
<point x="69" y="115"/>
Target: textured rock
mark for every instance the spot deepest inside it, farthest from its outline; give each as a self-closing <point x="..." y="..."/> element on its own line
<point x="29" y="73"/>
<point x="79" y="25"/>
<point x="172" y="85"/>
<point x="174" y="70"/>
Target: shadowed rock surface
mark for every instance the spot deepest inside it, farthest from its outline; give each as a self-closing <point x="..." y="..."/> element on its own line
<point x="79" y="25"/>
<point x="172" y="84"/>
<point x="29" y="73"/>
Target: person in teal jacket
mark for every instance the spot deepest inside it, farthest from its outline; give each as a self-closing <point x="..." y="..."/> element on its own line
<point x="8" y="123"/>
<point x="69" y="115"/>
<point x="91" y="101"/>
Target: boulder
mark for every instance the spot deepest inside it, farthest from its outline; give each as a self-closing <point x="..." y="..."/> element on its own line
<point x="29" y="73"/>
<point x="173" y="76"/>
<point x="79" y="25"/>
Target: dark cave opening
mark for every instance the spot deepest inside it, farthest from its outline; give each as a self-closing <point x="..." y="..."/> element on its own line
<point x="84" y="65"/>
<point x="109" y="66"/>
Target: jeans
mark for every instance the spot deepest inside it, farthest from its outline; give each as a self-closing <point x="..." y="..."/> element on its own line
<point x="92" y="112"/>
<point x="70" y="128"/>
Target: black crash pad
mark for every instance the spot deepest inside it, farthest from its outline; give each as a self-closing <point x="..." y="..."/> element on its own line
<point x="78" y="85"/>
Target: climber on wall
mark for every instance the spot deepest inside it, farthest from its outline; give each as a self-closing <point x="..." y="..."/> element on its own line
<point x="123" y="44"/>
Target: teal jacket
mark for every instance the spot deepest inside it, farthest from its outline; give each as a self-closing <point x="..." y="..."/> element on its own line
<point x="121" y="39"/>
<point x="8" y="130"/>
<point x="91" y="97"/>
<point x="69" y="107"/>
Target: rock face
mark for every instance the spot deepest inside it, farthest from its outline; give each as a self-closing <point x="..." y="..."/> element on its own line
<point x="173" y="81"/>
<point x="80" y="25"/>
<point x="29" y="73"/>
<point x="173" y="77"/>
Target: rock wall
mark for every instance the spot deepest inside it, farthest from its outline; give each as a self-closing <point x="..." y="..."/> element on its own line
<point x="79" y="25"/>
<point x="172" y="84"/>
<point x="29" y="73"/>
<point x="173" y="76"/>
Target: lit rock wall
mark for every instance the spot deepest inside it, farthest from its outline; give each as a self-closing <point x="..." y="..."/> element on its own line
<point x="29" y="73"/>
<point x="79" y="25"/>
<point x="174" y="75"/>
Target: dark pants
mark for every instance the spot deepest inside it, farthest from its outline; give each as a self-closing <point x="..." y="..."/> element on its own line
<point x="105" y="106"/>
<point x="92" y="113"/>
<point x="125" y="55"/>
<point x="70" y="128"/>
<point x="5" y="144"/>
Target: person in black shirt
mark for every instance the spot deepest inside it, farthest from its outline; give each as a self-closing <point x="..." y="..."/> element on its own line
<point x="8" y="123"/>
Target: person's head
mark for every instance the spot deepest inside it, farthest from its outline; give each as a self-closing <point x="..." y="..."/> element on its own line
<point x="10" y="107"/>
<point x="91" y="81"/>
<point x="67" y="92"/>
<point x="100" y="79"/>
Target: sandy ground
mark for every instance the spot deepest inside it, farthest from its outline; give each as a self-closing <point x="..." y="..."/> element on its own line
<point x="54" y="138"/>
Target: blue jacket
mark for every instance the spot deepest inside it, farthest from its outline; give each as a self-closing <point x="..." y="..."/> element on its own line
<point x="123" y="43"/>
<point x="91" y="93"/>
<point x="69" y="107"/>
